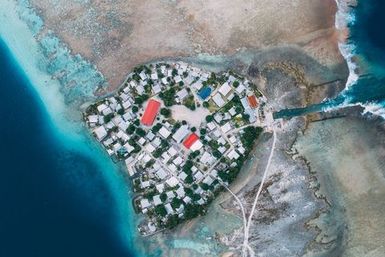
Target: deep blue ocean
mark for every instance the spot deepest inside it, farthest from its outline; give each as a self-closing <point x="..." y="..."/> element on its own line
<point x="54" y="202"/>
<point x="368" y="38"/>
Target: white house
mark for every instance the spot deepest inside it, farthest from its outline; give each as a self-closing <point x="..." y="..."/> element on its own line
<point x="224" y="89"/>
<point x="172" y="182"/>
<point x="100" y="132"/>
<point x="181" y="133"/>
<point x="218" y="100"/>
<point x="165" y="133"/>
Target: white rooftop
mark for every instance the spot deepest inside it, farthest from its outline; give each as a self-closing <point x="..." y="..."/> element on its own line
<point x="218" y="100"/>
<point x="224" y="89"/>
<point x="181" y="133"/>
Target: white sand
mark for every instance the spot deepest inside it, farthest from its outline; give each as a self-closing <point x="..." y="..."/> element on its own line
<point x="195" y="118"/>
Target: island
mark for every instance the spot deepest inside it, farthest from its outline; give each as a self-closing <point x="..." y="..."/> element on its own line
<point x="183" y="134"/>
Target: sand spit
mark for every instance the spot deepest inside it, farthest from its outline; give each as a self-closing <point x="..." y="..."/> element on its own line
<point x="347" y="156"/>
<point x="118" y="35"/>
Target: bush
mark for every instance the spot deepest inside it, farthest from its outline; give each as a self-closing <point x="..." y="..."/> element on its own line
<point x="140" y="132"/>
<point x="165" y="112"/>
<point x="168" y="97"/>
<point x="161" y="210"/>
<point x="135" y="109"/>
<point x="206" y="104"/>
<point x="108" y="117"/>
<point x="193" y="211"/>
<point x="236" y="83"/>
<point x="121" y="111"/>
<point x="209" y="118"/>
<point x="163" y="197"/>
<point x="189" y="102"/>
<point x="130" y="129"/>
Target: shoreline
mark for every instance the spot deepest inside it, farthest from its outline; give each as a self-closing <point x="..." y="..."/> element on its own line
<point x="63" y="120"/>
<point x="46" y="99"/>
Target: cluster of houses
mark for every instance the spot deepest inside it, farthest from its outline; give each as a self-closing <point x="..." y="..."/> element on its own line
<point x="176" y="168"/>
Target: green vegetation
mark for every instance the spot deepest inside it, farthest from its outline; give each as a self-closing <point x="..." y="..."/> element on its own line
<point x="108" y="117"/>
<point x="165" y="112"/>
<point x="140" y="99"/>
<point x="156" y="127"/>
<point x="161" y="210"/>
<point x="249" y="135"/>
<point x="209" y="118"/>
<point x="120" y="111"/>
<point x="140" y="132"/>
<point x="168" y="96"/>
<point x="189" y="102"/>
<point x="193" y="211"/>
<point x="135" y="109"/>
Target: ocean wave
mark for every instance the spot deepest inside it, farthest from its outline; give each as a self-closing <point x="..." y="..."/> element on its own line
<point x="344" y="18"/>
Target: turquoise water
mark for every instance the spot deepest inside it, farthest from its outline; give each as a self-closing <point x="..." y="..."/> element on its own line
<point x="367" y="41"/>
<point x="61" y="196"/>
<point x="61" y="193"/>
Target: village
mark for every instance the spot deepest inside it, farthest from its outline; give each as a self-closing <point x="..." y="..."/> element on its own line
<point x="183" y="133"/>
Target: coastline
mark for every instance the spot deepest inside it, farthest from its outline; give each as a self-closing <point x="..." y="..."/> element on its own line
<point x="62" y="119"/>
<point x="51" y="95"/>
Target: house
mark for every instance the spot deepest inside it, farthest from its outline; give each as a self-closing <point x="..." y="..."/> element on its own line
<point x="100" y="133"/>
<point x="172" y="151"/>
<point x="187" y="200"/>
<point x="182" y="94"/>
<point x="157" y="89"/>
<point x="233" y="155"/>
<point x="150" y="112"/>
<point x="218" y="100"/>
<point x="211" y="126"/>
<point x="178" y="161"/>
<point x="164" y="81"/>
<point x="224" y="89"/>
<point x="101" y="107"/>
<point x="129" y="148"/>
<point x="181" y="133"/>
<point x="240" y="89"/>
<point x="157" y="200"/>
<point x="93" y="118"/>
<point x="154" y="76"/>
<point x="245" y="103"/>
<point x="252" y="101"/>
<point x="126" y="105"/>
<point x="164" y="132"/>
<point x="160" y="187"/>
<point x="143" y="75"/>
<point x="149" y="148"/>
<point x="226" y="128"/>
<point x="172" y="182"/>
<point x="169" y="209"/>
<point x="180" y="192"/>
<point x="190" y="140"/>
<point x="177" y="79"/>
<point x="144" y="203"/>
<point x="161" y="173"/>
<point x="196" y="146"/>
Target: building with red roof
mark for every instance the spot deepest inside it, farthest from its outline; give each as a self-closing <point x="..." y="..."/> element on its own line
<point x="190" y="140"/>
<point x="252" y="101"/>
<point x="150" y="112"/>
